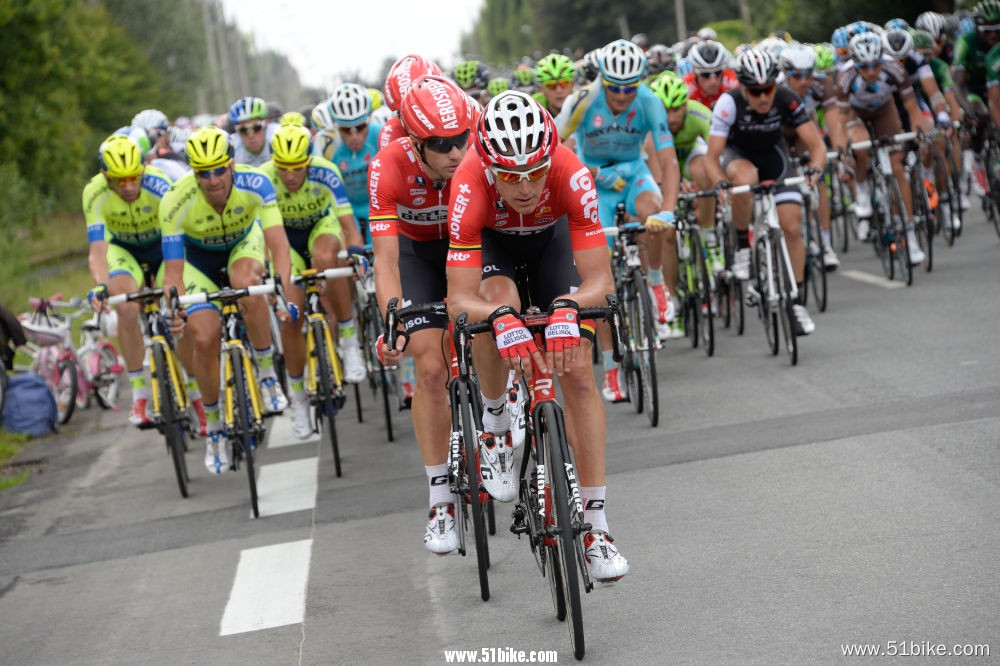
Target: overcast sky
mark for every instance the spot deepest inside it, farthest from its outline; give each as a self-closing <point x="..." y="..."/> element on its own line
<point x="323" y="39"/>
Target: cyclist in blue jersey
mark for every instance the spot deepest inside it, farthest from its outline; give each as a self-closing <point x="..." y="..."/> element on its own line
<point x="350" y="107"/>
<point x="608" y="120"/>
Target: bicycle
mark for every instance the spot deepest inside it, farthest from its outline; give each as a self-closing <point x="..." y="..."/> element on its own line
<point x="74" y="375"/>
<point x="772" y="289"/>
<point x="815" y="268"/>
<point x="639" y="358"/>
<point x="242" y="404"/>
<point x="843" y="221"/>
<point x="549" y="509"/>
<point x="475" y="504"/>
<point x="170" y="414"/>
<point x="696" y="283"/>
<point x="991" y="159"/>
<point x="324" y="377"/>
<point x="924" y="209"/>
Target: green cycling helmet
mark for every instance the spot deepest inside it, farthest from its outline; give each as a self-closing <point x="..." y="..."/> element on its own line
<point x="554" y="67"/>
<point x="524" y="76"/>
<point x="922" y="39"/>
<point x="471" y="74"/>
<point x="497" y="86"/>
<point x="824" y="57"/>
<point x="988" y="11"/>
<point x="671" y="90"/>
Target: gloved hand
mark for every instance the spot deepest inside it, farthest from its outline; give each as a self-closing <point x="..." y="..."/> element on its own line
<point x="360" y="258"/>
<point x="513" y="338"/>
<point x="661" y="220"/>
<point x="609" y="178"/>
<point x="943" y="120"/>
<point x="98" y="293"/>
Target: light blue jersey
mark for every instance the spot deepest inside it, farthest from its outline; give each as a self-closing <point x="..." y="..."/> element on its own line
<point x="353" y="166"/>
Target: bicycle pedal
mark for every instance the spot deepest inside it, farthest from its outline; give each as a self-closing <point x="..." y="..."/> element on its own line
<point x="340" y="399"/>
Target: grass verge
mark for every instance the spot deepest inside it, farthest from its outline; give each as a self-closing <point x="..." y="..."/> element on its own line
<point x="11" y="444"/>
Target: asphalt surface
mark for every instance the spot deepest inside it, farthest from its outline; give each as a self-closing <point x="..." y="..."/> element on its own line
<point x="777" y="515"/>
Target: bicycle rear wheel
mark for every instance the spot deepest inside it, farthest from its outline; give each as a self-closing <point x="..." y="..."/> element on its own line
<point x="470" y="438"/>
<point x="765" y="288"/>
<point x="326" y="407"/>
<point x="815" y="273"/>
<point x="552" y="437"/>
<point x="244" y="434"/>
<point x="174" y="428"/>
<point x="703" y="300"/>
<point x="644" y="352"/>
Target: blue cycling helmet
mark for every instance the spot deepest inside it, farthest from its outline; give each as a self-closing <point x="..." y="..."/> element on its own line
<point x="840" y="39"/>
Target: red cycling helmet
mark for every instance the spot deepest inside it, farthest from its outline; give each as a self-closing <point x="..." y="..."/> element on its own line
<point x="401" y="76"/>
<point x="514" y="130"/>
<point x="435" y="106"/>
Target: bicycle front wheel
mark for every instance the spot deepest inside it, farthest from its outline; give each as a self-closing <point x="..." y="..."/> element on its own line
<point x="552" y="433"/>
<point x="243" y="426"/>
<point x="64" y="383"/>
<point x="644" y="347"/>
<point x="766" y="289"/>
<point x="703" y="302"/>
<point x="174" y="428"/>
<point x="786" y="309"/>
<point x="902" y="251"/>
<point x="326" y="407"/>
<point x="470" y="438"/>
<point x="107" y="383"/>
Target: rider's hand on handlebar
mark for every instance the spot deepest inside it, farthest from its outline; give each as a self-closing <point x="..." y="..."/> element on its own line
<point x="562" y="335"/>
<point x="514" y="341"/>
<point x="97" y="296"/>
<point x="390" y="358"/>
<point x="660" y="221"/>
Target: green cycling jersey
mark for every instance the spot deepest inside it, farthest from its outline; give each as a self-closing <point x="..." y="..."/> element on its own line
<point x="109" y="217"/>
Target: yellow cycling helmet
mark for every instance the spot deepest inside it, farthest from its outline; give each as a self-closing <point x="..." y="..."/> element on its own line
<point x="290" y="146"/>
<point x="376" y="96"/>
<point x="208" y="148"/>
<point x="120" y="157"/>
<point x="292" y="118"/>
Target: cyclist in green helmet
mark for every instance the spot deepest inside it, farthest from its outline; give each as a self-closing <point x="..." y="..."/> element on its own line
<point x="523" y="79"/>
<point x="497" y="86"/>
<point x="472" y="77"/>
<point x="556" y="76"/>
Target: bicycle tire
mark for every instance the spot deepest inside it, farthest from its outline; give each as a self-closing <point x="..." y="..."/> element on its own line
<point x="704" y="295"/>
<point x="943" y="226"/>
<point x="552" y="432"/>
<point x="326" y="407"/>
<point x="883" y="238"/>
<point x="244" y="433"/>
<point x="993" y="183"/>
<point x="786" y="308"/>
<point x="629" y="297"/>
<point x="765" y="286"/>
<point x="923" y="219"/>
<point x="646" y="351"/>
<point x="64" y="383"/>
<point x="381" y="374"/>
<point x="470" y="439"/>
<point x="107" y="384"/>
<point x="815" y="273"/>
<point x="902" y="253"/>
<point x="173" y="423"/>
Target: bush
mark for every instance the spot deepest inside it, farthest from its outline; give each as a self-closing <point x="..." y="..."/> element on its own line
<point x="18" y="216"/>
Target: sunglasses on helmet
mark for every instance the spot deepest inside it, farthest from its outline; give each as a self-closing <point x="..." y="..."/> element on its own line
<point x="515" y="177"/>
<point x="444" y="145"/>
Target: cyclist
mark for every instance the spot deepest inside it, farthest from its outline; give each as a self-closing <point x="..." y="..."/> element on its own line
<point x="401" y="75"/>
<point x="711" y="75"/>
<point x="936" y="26"/>
<point x="354" y="146"/>
<point x="747" y="145"/>
<point x="252" y="132"/>
<point x="660" y="58"/>
<point x="799" y="64"/>
<point x="472" y="77"/>
<point x="608" y="120"/>
<point x="316" y="214"/>
<point x="865" y="93"/>
<point x="223" y="216"/>
<point x="410" y="185"/>
<point x="520" y="197"/>
<point x="556" y="75"/>
<point x="690" y="122"/>
<point x="496" y="86"/>
<point x="121" y="207"/>
<point x="523" y="78"/>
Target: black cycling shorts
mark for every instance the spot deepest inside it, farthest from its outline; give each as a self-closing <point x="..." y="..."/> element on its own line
<point x="422" y="276"/>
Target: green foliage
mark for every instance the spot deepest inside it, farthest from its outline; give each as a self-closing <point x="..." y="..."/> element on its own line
<point x="18" y="214"/>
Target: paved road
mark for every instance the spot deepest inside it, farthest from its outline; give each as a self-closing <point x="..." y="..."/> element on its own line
<point x="776" y="515"/>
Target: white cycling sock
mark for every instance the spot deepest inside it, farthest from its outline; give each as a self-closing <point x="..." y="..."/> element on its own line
<point x="593" y="507"/>
<point x="437" y="482"/>
<point x="496" y="418"/>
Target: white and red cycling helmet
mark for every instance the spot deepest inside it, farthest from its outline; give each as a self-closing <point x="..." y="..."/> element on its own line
<point x="434" y="106"/>
<point x="514" y="131"/>
<point x="402" y="75"/>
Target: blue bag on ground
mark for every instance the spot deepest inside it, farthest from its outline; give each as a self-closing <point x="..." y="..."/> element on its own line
<point x="29" y="407"/>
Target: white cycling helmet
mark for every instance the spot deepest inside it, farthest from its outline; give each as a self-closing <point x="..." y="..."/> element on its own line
<point x="321" y="117"/>
<point x="797" y="56"/>
<point x="514" y="130"/>
<point x="623" y="62"/>
<point x="755" y="68"/>
<point x="707" y="33"/>
<point x="350" y="105"/>
<point x="866" y="48"/>
<point x="932" y="22"/>
<point x="153" y="121"/>
<point x="708" y="56"/>
<point x="897" y="43"/>
<point x="772" y="45"/>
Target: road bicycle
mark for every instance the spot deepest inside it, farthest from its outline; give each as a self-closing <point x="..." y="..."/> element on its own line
<point x="549" y="511"/>
<point x="925" y="200"/>
<point x="242" y="404"/>
<point x="991" y="160"/>
<point x="641" y="341"/>
<point x="814" y="277"/>
<point x="474" y="505"/>
<point x="843" y="221"/>
<point x="696" y="282"/>
<point x="324" y="376"/>
<point x="74" y="374"/>
<point x="171" y="407"/>
<point x="772" y="289"/>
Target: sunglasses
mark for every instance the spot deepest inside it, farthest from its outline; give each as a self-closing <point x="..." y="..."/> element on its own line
<point x="758" y="92"/>
<point x="205" y="174"/>
<point x="869" y="65"/>
<point x="357" y="129"/>
<point x="252" y="129"/>
<point x="127" y="181"/>
<point x="798" y="73"/>
<point x="291" y="168"/>
<point x="615" y="88"/>
<point x="553" y="85"/>
<point x="445" y="145"/>
<point x="515" y="177"/>
<point x="710" y="75"/>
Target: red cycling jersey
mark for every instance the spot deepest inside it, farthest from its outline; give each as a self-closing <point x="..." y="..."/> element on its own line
<point x="695" y="92"/>
<point x="403" y="199"/>
<point x="391" y="130"/>
<point x="475" y="205"/>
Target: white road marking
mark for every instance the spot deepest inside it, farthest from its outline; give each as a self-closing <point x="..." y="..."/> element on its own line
<point x="269" y="589"/>
<point x="281" y="434"/>
<point x="868" y="278"/>
<point x="288" y="486"/>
